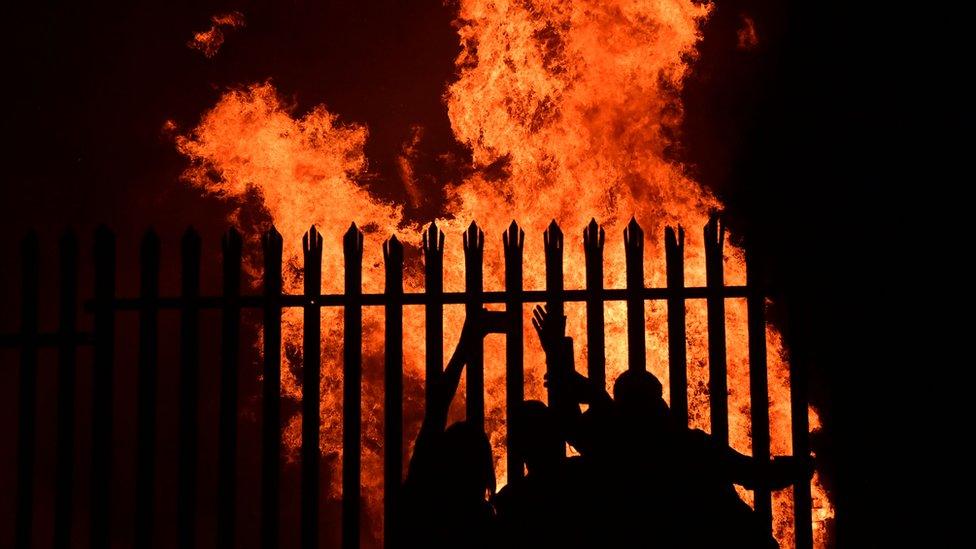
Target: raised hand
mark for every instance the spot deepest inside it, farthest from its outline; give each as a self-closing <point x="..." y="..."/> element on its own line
<point x="479" y="324"/>
<point x="550" y="328"/>
<point x="476" y="327"/>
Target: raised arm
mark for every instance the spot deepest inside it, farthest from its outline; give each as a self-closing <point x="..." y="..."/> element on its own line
<point x="445" y="387"/>
<point x="560" y="367"/>
<point x="568" y="388"/>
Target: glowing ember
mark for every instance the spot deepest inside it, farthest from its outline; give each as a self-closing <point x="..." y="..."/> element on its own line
<point x="574" y="101"/>
<point x="746" y="36"/>
<point x="209" y="41"/>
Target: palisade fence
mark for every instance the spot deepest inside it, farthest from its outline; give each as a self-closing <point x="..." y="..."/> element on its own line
<point x="106" y="307"/>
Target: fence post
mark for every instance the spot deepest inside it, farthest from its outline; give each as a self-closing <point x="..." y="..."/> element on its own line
<point x="311" y="374"/>
<point x="552" y="239"/>
<point x="433" y="246"/>
<point x="634" y="250"/>
<point x="231" y="246"/>
<point x="802" y="503"/>
<point x="186" y="508"/>
<point x="102" y="366"/>
<point x="352" y="390"/>
<point x="30" y="292"/>
<point x="553" y="243"/>
<point x="674" y="253"/>
<point x="67" y="349"/>
<point x="513" y="240"/>
<point x="148" y="366"/>
<point x="474" y="245"/>
<point x="393" y="391"/>
<point x="758" y="382"/>
<point x="596" y="359"/>
<point x="271" y="426"/>
<point x="718" y="389"/>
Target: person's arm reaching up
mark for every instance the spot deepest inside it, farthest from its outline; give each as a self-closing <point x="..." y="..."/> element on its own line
<point x="445" y="386"/>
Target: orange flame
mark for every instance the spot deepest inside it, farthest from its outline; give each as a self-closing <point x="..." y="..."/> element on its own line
<point x="208" y="42"/>
<point x="575" y="101"/>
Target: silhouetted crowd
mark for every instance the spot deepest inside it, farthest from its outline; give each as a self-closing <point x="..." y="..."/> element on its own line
<point x="640" y="479"/>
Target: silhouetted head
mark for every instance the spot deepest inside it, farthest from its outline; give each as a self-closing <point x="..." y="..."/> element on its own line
<point x="466" y="470"/>
<point x="638" y="396"/>
<point x="533" y="435"/>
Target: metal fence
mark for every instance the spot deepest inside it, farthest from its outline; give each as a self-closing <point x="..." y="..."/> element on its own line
<point x="106" y="304"/>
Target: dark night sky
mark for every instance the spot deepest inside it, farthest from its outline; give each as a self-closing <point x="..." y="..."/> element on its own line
<point x="809" y="141"/>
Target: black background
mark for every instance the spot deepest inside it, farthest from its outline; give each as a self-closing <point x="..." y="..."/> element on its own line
<point x="819" y="142"/>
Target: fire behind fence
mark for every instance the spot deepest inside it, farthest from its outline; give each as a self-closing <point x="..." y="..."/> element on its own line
<point x="106" y="304"/>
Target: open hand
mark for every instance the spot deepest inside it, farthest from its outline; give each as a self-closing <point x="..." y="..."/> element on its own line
<point x="550" y="328"/>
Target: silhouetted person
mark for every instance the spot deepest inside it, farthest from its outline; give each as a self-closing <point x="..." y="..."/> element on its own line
<point x="661" y="481"/>
<point x="545" y="507"/>
<point x="451" y="474"/>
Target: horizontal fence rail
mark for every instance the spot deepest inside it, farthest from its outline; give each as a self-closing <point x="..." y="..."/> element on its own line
<point x="105" y="306"/>
<point x="445" y="298"/>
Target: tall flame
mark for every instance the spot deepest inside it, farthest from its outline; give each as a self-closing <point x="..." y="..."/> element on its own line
<point x="568" y="108"/>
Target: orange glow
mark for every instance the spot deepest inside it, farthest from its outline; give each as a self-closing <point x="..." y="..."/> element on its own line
<point x="747" y="37"/>
<point x="576" y="101"/>
<point x="208" y="42"/>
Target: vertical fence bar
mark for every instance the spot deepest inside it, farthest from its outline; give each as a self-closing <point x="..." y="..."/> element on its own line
<point x="271" y="397"/>
<point x="148" y="367"/>
<point x="351" y="387"/>
<point x="474" y="245"/>
<point x="393" y="392"/>
<point x="230" y="342"/>
<point x="552" y="240"/>
<point x="186" y="502"/>
<point x="634" y="250"/>
<point x="513" y="240"/>
<point x="802" y="504"/>
<point x="102" y="366"/>
<point x="674" y="253"/>
<point x="30" y="292"/>
<point x="433" y="246"/>
<point x="718" y="389"/>
<point x="311" y="374"/>
<point x="596" y="355"/>
<point x="758" y="382"/>
<point x="67" y="349"/>
<point x="553" y="244"/>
